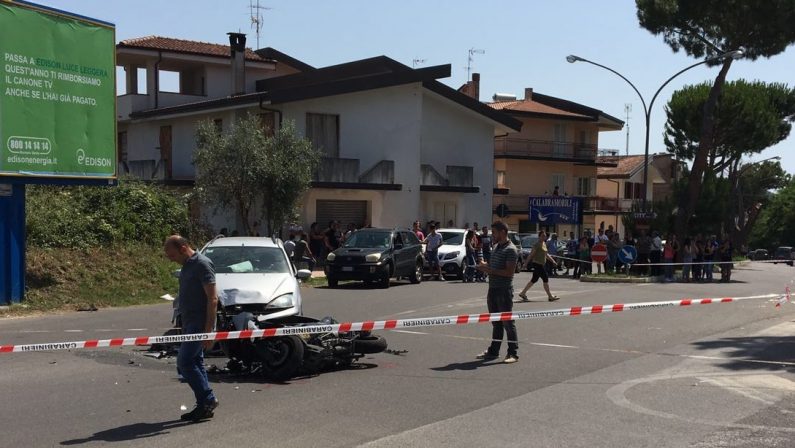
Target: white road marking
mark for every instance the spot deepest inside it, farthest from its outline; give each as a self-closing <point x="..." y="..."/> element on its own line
<point x="408" y="332"/>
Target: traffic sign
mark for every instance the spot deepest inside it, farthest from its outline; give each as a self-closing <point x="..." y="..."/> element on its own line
<point x="599" y="253"/>
<point x="627" y="254"/>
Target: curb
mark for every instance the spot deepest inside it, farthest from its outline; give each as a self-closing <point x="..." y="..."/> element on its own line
<point x="630" y="280"/>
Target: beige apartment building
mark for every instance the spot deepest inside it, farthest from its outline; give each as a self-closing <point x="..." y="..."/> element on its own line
<point x="555" y="153"/>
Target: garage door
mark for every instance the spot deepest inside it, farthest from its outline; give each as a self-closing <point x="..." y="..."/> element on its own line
<point x="343" y="211"/>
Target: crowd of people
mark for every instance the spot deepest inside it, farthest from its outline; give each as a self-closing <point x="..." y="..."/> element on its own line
<point x="697" y="256"/>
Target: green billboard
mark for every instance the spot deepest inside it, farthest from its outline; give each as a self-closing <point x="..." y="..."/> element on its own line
<point x="57" y="94"/>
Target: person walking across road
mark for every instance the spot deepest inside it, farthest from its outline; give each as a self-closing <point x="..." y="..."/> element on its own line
<point x="539" y="256"/>
<point x="500" y="270"/>
<point x="198" y="302"/>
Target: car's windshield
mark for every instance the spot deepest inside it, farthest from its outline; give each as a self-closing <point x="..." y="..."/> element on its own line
<point x="783" y="251"/>
<point x="529" y="241"/>
<point x="369" y="239"/>
<point x="248" y="260"/>
<point x="452" y="238"/>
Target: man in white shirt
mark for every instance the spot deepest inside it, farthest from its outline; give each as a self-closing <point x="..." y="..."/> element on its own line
<point x="432" y="244"/>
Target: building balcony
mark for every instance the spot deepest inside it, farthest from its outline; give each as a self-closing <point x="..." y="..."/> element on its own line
<point x="518" y="148"/>
<point x="136" y="102"/>
<point x="600" y="203"/>
<point x="335" y="172"/>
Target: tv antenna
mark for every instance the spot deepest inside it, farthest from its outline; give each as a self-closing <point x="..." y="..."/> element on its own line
<point x="255" y="14"/>
<point x="627" y="110"/>
<point x="417" y="61"/>
<point x="470" y="58"/>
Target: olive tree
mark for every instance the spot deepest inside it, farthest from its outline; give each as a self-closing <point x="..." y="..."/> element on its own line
<point x="256" y="174"/>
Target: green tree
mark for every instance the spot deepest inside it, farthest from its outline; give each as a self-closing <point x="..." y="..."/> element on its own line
<point x="248" y="170"/>
<point x="762" y="28"/>
<point x="749" y="117"/>
<point x="776" y="224"/>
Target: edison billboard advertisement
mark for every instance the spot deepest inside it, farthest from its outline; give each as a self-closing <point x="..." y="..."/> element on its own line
<point x="57" y="94"/>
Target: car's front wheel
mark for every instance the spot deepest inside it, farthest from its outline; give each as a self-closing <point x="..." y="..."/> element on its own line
<point x="416" y="276"/>
<point x="385" y="279"/>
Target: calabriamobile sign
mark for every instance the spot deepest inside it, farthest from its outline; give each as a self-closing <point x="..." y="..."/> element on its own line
<point x="57" y="94"/>
<point x="548" y="210"/>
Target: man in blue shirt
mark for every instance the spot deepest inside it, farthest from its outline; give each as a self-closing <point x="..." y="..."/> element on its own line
<point x="198" y="300"/>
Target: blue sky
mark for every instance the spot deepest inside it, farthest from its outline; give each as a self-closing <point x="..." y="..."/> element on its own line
<point x="525" y="45"/>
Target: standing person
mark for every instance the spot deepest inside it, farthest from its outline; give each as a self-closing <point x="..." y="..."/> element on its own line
<point x="709" y="257"/>
<point x="613" y="248"/>
<point x="469" y="258"/>
<point x="289" y="245"/>
<point x="669" y="252"/>
<point x="688" y="252"/>
<point x="539" y="256"/>
<point x="584" y="254"/>
<point x="418" y="231"/>
<point x="432" y="244"/>
<point x="317" y="241"/>
<point x="725" y="257"/>
<point x="486" y="242"/>
<point x="552" y="247"/>
<point x="303" y="253"/>
<point x="331" y="240"/>
<point x="698" y="258"/>
<point x="656" y="253"/>
<point x="571" y="252"/>
<point x="500" y="296"/>
<point x="198" y="302"/>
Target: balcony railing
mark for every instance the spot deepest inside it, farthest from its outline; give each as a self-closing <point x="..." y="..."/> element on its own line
<point x="610" y="204"/>
<point x="543" y="149"/>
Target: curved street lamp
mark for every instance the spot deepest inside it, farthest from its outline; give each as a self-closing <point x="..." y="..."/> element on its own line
<point x="736" y="54"/>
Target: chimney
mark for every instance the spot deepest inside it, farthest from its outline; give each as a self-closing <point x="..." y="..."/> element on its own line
<point x="475" y="90"/>
<point x="237" y="44"/>
<point x="528" y="94"/>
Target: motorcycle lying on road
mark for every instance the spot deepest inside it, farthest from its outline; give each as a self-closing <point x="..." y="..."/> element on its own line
<point x="282" y="357"/>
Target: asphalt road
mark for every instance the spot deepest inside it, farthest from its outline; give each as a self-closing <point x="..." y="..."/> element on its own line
<point x="704" y="376"/>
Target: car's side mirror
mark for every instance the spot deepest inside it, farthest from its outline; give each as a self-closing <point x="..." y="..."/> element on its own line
<point x="398" y="246"/>
<point x="176" y="273"/>
<point x="303" y="274"/>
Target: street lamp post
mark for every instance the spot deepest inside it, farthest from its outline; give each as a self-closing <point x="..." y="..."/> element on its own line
<point x="736" y="54"/>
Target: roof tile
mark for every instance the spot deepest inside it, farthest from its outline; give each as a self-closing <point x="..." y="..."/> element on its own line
<point x="532" y="106"/>
<point x="186" y="46"/>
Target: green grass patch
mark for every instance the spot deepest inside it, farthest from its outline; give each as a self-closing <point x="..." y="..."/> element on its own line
<point x="74" y="279"/>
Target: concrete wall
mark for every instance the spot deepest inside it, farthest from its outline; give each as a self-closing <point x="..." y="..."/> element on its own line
<point x="454" y="136"/>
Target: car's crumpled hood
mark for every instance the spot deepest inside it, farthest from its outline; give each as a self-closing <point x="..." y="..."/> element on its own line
<point x="245" y="289"/>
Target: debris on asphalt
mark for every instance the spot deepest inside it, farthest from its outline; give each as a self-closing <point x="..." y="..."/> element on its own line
<point x="53" y="362"/>
<point x="183" y="408"/>
<point x="395" y="352"/>
<point x="157" y="355"/>
<point x="88" y="308"/>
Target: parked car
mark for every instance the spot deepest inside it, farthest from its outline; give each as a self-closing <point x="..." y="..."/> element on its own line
<point x="516" y="239"/>
<point x="527" y="245"/>
<point x="255" y="273"/>
<point x="784" y="254"/>
<point x="451" y="254"/>
<point x="758" y="254"/>
<point x="376" y="256"/>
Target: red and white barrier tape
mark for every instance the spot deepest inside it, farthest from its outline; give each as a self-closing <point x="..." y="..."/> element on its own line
<point x="463" y="319"/>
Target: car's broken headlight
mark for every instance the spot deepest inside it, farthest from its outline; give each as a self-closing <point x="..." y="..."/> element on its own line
<point x="283" y="301"/>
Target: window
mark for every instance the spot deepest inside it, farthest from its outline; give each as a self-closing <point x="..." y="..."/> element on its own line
<point x="323" y="131"/>
<point x="585" y="186"/>
<point x="501" y="181"/>
<point x="559" y="180"/>
<point x="122" y="146"/>
<point x="559" y="145"/>
<point x="168" y="81"/>
<point x="633" y="190"/>
<point x="268" y="123"/>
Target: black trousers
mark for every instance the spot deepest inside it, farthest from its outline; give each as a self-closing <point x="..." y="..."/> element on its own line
<point x="500" y="300"/>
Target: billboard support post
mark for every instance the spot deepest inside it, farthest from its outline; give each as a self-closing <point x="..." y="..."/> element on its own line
<point x="12" y="243"/>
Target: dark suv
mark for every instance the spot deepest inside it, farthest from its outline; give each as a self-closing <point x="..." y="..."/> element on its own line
<point x="784" y="254"/>
<point x="376" y="255"/>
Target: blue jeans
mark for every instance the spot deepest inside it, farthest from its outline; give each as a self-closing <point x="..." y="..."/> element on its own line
<point x="190" y="364"/>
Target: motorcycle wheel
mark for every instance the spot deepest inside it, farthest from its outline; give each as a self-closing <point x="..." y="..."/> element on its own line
<point x="281" y="357"/>
<point x="366" y="345"/>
